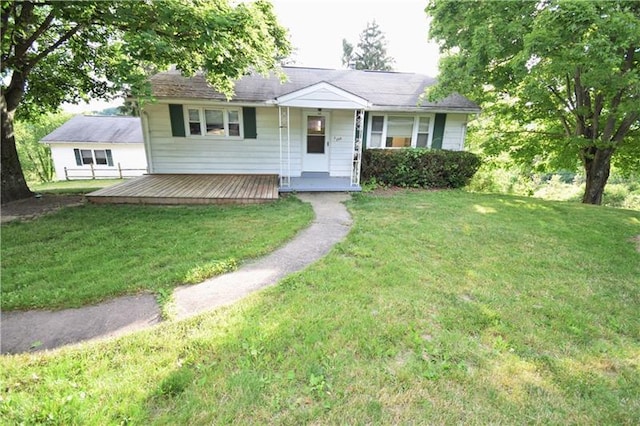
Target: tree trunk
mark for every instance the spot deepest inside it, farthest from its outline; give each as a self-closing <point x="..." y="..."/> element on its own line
<point x="597" y="165"/>
<point x="14" y="187"/>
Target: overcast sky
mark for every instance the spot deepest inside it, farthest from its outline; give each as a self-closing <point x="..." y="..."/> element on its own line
<point x="317" y="27"/>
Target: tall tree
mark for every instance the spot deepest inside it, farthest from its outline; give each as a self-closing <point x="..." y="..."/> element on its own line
<point x="562" y="76"/>
<point x="67" y="51"/>
<point x="371" y="52"/>
<point x="35" y="157"/>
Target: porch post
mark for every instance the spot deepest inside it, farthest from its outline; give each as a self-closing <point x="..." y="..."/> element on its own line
<point x="358" y="124"/>
<point x="285" y="150"/>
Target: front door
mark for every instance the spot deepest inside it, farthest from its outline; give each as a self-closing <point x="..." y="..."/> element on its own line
<point x="316" y="142"/>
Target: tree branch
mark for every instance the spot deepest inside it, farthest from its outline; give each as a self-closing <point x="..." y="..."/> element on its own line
<point x="569" y="99"/>
<point x="562" y="100"/>
<point x="624" y="127"/>
<point x="597" y="111"/>
<point x="24" y="46"/>
<point x="65" y="37"/>
<point x="579" y="93"/>
<point x="611" y="120"/>
<point x="565" y="124"/>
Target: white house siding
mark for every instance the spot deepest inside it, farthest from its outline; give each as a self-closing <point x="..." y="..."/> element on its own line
<point x="454" y="132"/>
<point x="128" y="155"/>
<point x="205" y="155"/>
<point x="196" y="155"/>
<point x="341" y="142"/>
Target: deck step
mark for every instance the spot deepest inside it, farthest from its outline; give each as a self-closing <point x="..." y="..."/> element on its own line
<point x="315" y="175"/>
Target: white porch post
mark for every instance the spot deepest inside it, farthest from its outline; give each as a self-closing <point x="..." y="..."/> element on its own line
<point x="358" y="125"/>
<point x="285" y="147"/>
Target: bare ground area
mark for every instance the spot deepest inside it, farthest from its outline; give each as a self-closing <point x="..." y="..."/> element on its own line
<point x="33" y="207"/>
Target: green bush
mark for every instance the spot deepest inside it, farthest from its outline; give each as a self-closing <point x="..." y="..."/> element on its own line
<point x="419" y="168"/>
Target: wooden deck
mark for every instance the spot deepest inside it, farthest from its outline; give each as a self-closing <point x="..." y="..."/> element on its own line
<point x="190" y="189"/>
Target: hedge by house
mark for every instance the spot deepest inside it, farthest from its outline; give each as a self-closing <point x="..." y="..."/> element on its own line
<point x="419" y="167"/>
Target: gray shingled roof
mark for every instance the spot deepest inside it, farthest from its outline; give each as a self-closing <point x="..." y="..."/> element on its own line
<point x="382" y="89"/>
<point x="97" y="129"/>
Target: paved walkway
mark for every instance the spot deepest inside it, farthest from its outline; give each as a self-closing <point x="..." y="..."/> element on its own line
<point x="38" y="330"/>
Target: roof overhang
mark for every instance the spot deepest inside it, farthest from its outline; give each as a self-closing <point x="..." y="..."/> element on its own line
<point x="322" y="95"/>
<point x="433" y="109"/>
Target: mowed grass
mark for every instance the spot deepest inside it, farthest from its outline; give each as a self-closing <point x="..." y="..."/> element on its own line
<point x="438" y="308"/>
<point x="86" y="254"/>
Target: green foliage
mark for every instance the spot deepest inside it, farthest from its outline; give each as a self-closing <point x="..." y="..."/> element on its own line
<point x="371" y="52"/>
<point x="419" y="168"/>
<point x="622" y="192"/>
<point x="35" y="157"/>
<point x="98" y="49"/>
<point x="559" y="80"/>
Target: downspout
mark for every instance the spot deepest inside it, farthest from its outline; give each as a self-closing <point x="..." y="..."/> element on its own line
<point x="146" y="137"/>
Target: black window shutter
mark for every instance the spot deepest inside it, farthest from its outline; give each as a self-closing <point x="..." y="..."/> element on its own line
<point x="109" y="158"/>
<point x="438" y="131"/>
<point x="249" y="122"/>
<point x="76" y="151"/>
<point x="177" y="120"/>
<point x="365" y="126"/>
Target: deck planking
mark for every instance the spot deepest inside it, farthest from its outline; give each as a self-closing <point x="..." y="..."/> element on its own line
<point x="190" y="189"/>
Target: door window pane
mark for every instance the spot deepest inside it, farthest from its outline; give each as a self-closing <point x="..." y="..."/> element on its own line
<point x="194" y="122"/>
<point x="101" y="156"/>
<point x="315" y="125"/>
<point x="315" y="144"/>
<point x="87" y="157"/>
<point x="315" y="134"/>
<point x="214" y="121"/>
<point x="399" y="130"/>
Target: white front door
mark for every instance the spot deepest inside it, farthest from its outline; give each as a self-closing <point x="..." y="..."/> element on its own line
<point x="315" y="157"/>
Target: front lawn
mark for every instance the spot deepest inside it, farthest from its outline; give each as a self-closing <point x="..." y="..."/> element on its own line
<point x="86" y="254"/>
<point x="438" y="308"/>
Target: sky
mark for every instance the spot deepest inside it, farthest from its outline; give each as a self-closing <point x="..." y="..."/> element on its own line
<point x="317" y="27"/>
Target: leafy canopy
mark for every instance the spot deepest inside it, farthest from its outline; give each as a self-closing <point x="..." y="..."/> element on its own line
<point x="371" y="51"/>
<point x="560" y="79"/>
<point x="69" y="51"/>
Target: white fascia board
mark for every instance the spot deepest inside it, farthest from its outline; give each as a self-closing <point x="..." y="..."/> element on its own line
<point x="423" y="110"/>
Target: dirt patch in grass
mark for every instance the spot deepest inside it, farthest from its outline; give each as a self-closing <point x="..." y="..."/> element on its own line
<point x="33" y="207"/>
<point x="636" y="240"/>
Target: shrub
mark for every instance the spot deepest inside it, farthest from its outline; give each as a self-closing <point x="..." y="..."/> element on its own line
<point x="419" y="168"/>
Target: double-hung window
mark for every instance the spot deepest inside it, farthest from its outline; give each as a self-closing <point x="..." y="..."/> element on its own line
<point x="214" y="122"/>
<point x="400" y="131"/>
<point x="85" y="157"/>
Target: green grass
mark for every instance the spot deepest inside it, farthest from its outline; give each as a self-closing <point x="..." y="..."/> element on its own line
<point x="90" y="253"/>
<point x="81" y="186"/>
<point x="438" y="308"/>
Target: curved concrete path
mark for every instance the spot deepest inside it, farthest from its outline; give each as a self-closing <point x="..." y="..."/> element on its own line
<point x="38" y="330"/>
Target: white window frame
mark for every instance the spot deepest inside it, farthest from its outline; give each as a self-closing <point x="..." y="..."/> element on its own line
<point x="414" y="132"/>
<point x="203" y="125"/>
<point x="94" y="159"/>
